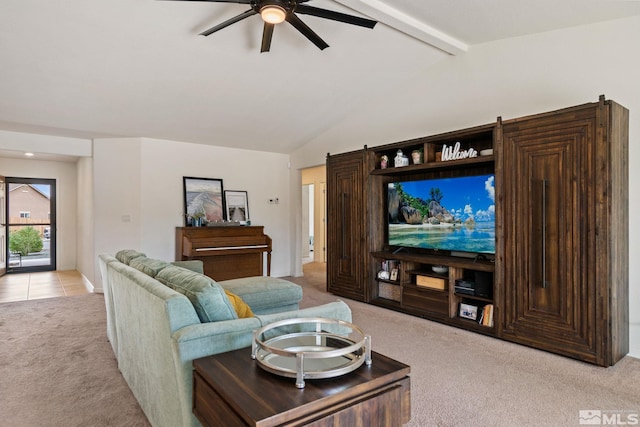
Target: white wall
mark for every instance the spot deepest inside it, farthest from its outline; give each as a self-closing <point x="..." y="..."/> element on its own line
<point x="139" y="197"/>
<point x="66" y="200"/>
<point x="117" y="219"/>
<point x="510" y="78"/>
<point x="85" y="261"/>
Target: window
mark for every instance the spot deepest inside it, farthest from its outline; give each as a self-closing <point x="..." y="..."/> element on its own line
<point x="25" y="214"/>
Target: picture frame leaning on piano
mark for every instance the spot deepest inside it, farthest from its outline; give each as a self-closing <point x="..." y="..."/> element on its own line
<point x="203" y="201"/>
<point x="237" y="206"/>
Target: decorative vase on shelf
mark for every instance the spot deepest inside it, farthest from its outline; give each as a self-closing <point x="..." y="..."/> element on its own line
<point x="384" y="162"/>
<point x="416" y="156"/>
<point x="197" y="220"/>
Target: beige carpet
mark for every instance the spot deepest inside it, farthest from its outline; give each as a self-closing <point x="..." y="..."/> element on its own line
<point x="460" y="378"/>
<point x="57" y="369"/>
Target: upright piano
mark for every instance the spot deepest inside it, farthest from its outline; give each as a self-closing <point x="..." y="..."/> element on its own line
<point x="227" y="252"/>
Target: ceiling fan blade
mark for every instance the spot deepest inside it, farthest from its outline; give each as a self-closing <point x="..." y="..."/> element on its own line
<point x="224" y="1"/>
<point x="306" y="31"/>
<point x="267" y="34"/>
<point x="228" y="22"/>
<point x="335" y="16"/>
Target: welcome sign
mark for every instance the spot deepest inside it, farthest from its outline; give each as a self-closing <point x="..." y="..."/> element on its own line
<point x="456" y="153"/>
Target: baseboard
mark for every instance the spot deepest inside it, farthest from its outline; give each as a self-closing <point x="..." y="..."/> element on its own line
<point x="87" y="284"/>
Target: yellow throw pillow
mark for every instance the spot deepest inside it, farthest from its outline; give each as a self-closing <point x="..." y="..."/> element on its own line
<point x="241" y="307"/>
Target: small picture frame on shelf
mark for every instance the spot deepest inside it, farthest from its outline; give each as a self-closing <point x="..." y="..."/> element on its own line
<point x="468" y="311"/>
<point x="394" y="274"/>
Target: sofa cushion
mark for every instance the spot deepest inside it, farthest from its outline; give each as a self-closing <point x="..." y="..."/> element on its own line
<point x="208" y="298"/>
<point x="264" y="292"/>
<point x="149" y="266"/>
<point x="126" y="255"/>
<point x="191" y="264"/>
<point x="242" y="309"/>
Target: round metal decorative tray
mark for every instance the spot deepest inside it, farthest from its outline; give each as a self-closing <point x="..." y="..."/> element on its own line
<point x="310" y="348"/>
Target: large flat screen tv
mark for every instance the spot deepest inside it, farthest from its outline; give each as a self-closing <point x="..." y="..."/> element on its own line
<point x="443" y="214"/>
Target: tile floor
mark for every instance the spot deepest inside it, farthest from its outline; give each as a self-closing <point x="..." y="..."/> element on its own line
<point x="48" y="284"/>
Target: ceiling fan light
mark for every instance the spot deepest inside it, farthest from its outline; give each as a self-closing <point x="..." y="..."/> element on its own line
<point x="273" y="14"/>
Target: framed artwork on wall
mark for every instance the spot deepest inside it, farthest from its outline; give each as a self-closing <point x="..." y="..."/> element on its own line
<point x="237" y="206"/>
<point x="203" y="201"/>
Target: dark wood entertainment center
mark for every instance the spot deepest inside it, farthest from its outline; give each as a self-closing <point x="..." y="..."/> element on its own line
<point x="559" y="275"/>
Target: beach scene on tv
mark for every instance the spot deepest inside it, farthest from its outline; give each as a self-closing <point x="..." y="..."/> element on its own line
<point x="452" y="214"/>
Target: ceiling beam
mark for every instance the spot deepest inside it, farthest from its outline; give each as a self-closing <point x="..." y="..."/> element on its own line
<point x="406" y="24"/>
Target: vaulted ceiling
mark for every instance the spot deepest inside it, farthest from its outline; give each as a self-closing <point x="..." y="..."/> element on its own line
<point x="138" y="68"/>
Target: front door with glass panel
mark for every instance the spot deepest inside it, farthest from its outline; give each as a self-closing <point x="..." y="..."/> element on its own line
<point x="3" y="226"/>
<point x="30" y="225"/>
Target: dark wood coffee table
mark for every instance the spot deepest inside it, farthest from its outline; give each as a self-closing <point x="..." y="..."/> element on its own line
<point x="230" y="389"/>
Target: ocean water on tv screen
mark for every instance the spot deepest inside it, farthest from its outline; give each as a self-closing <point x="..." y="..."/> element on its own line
<point x="448" y="214"/>
<point x="479" y="239"/>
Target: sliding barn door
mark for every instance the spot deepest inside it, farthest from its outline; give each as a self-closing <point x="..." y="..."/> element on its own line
<point x="346" y="225"/>
<point x="550" y="291"/>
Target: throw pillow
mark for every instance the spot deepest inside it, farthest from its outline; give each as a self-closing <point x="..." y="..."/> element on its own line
<point x="126" y="255"/>
<point x="149" y="266"/>
<point x="242" y="308"/>
<point x="208" y="298"/>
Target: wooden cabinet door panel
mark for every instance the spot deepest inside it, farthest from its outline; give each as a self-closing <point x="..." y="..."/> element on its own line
<point x="433" y="302"/>
<point x="549" y="288"/>
<point x="346" y="225"/>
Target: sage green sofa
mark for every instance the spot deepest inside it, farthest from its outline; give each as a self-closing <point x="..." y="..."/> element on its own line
<point x="155" y="325"/>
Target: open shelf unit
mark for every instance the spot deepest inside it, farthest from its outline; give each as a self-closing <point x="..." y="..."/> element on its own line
<point x="421" y="291"/>
<point x="476" y="142"/>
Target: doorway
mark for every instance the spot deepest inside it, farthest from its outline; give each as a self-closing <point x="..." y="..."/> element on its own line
<point x="30" y="229"/>
<point x="313" y="214"/>
<point x="307" y="223"/>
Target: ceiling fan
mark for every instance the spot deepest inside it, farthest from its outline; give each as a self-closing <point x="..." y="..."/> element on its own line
<point x="274" y="12"/>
